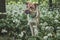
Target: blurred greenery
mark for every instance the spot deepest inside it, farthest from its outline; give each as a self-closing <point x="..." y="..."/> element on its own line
<point x="16" y="20"/>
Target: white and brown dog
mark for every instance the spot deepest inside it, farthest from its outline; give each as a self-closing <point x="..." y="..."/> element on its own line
<point x="33" y="17"/>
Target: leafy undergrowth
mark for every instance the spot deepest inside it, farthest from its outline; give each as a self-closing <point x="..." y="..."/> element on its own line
<point x="16" y="21"/>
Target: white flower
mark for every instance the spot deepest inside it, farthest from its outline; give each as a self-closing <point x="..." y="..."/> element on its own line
<point x="16" y="20"/>
<point x="21" y="35"/>
<point x="45" y="37"/>
<point x="43" y="28"/>
<point x="50" y="34"/>
<point x="47" y="28"/>
<point x="4" y="31"/>
<point x="56" y="16"/>
<point x="56" y="20"/>
<point x="41" y="23"/>
<point x="45" y="23"/>
<point x="34" y="26"/>
<point x="58" y="27"/>
<point x="36" y="32"/>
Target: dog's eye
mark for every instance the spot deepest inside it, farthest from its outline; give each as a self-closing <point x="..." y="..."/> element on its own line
<point x="31" y="7"/>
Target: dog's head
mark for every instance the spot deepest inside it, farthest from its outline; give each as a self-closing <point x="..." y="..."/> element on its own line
<point x="30" y="6"/>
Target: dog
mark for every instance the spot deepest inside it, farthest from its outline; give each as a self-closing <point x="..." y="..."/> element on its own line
<point x="33" y="17"/>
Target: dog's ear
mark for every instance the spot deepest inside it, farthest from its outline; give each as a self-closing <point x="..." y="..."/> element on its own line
<point x="36" y="4"/>
<point x="26" y="3"/>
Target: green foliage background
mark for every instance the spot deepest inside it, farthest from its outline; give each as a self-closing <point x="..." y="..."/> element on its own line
<point x="16" y="18"/>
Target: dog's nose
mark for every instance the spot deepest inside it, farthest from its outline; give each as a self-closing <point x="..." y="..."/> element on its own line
<point x="27" y="11"/>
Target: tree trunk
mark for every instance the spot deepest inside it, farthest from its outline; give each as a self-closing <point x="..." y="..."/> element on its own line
<point x="50" y="4"/>
<point x="2" y="6"/>
<point x="2" y="9"/>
